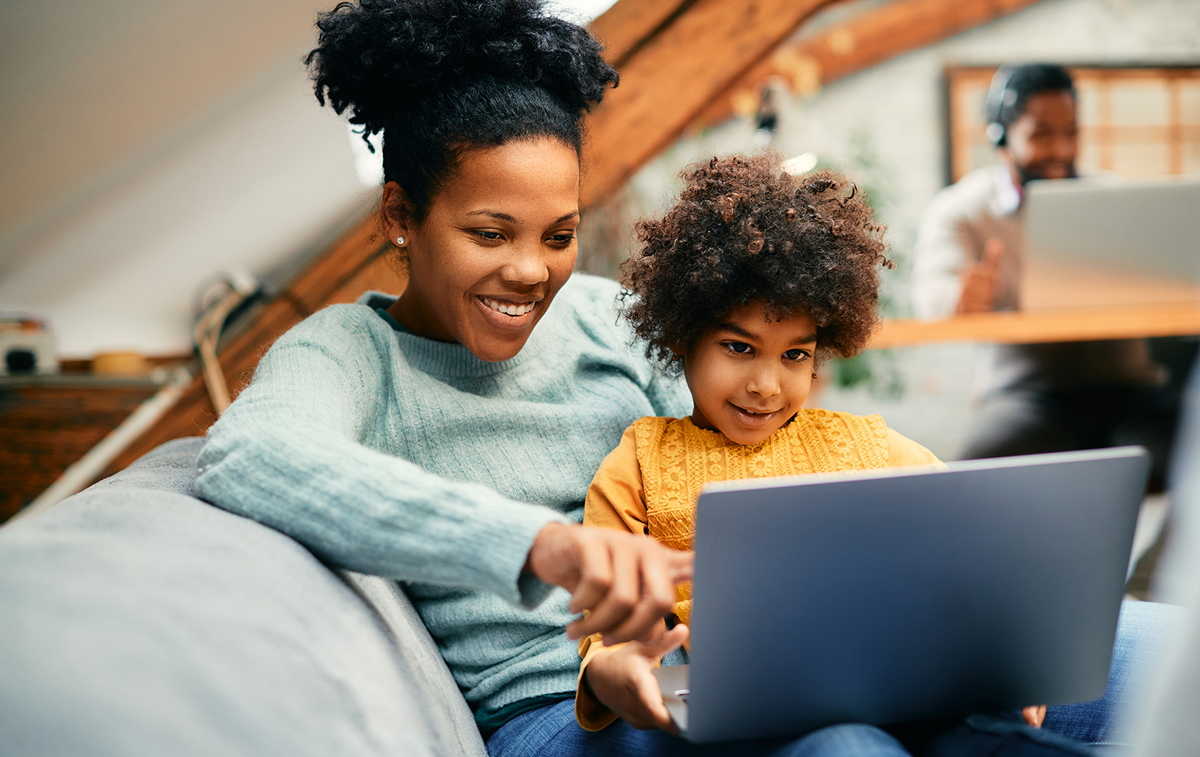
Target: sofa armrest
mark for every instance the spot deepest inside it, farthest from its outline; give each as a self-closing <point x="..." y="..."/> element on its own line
<point x="139" y="620"/>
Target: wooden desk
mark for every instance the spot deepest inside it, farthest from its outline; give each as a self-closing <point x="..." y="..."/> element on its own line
<point x="1068" y="303"/>
<point x="1028" y="327"/>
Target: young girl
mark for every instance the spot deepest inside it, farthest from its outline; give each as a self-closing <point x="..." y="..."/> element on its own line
<point x="745" y="284"/>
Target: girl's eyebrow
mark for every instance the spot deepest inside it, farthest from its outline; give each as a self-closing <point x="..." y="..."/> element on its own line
<point x="736" y="329"/>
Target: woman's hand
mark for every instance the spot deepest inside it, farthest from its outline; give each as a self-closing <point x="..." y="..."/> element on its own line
<point x="625" y="582"/>
<point x="621" y="680"/>
<point x="1034" y="715"/>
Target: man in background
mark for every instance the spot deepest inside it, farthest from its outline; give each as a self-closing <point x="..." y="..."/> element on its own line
<point x="968" y="257"/>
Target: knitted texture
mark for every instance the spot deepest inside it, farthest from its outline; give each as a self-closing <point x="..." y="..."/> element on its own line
<point x="398" y="456"/>
<point x="677" y="459"/>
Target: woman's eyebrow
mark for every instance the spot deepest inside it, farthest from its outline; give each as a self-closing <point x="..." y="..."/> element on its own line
<point x="506" y="217"/>
<point x="493" y="214"/>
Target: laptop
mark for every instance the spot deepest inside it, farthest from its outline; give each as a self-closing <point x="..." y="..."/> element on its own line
<point x="1110" y="241"/>
<point x="902" y="594"/>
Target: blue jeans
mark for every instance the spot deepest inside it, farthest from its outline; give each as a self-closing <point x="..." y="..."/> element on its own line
<point x="1141" y="634"/>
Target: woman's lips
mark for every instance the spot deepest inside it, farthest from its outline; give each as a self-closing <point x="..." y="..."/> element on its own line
<point x="506" y="314"/>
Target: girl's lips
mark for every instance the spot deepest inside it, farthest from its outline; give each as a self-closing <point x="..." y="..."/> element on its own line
<point x="751" y="418"/>
<point x="505" y="321"/>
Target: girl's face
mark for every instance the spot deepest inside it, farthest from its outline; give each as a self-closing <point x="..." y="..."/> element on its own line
<point x="496" y="246"/>
<point x="751" y="373"/>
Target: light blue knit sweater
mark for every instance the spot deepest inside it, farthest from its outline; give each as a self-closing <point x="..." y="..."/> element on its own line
<point x="395" y="455"/>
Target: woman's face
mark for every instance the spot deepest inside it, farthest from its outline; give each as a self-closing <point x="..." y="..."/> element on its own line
<point x="496" y="246"/>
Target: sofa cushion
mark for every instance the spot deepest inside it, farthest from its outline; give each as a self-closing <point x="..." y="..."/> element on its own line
<point x="137" y="620"/>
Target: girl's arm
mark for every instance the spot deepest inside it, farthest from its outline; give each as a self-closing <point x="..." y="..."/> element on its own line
<point x="615" y="680"/>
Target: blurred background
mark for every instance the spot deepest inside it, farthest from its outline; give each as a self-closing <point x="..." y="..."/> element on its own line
<point x="171" y="190"/>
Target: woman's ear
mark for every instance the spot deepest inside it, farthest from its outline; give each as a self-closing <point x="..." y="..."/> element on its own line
<point x="397" y="213"/>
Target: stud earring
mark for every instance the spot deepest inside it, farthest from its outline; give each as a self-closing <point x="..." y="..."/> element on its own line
<point x="400" y="241"/>
<point x="814" y="375"/>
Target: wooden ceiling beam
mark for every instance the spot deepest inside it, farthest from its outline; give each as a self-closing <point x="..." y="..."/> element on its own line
<point x="675" y="75"/>
<point x="629" y="24"/>
<point x="857" y="44"/>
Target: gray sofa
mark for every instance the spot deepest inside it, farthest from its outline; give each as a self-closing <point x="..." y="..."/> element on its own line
<point x="138" y="620"/>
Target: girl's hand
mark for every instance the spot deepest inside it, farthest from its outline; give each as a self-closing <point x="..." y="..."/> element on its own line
<point x="626" y="582"/>
<point x="621" y="680"/>
<point x="1034" y="715"/>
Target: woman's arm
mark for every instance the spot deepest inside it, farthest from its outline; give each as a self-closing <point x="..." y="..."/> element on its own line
<point x="290" y="453"/>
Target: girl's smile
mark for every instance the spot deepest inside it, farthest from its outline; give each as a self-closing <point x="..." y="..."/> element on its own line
<point x="751" y="373"/>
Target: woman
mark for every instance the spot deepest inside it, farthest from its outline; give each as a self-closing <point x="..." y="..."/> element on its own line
<point x="447" y="437"/>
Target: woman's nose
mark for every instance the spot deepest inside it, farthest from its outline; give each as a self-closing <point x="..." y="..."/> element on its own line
<point x="526" y="266"/>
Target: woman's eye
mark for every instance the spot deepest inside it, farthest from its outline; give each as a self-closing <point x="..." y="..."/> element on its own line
<point x="563" y="239"/>
<point x="741" y="348"/>
<point x="796" y="356"/>
<point x="491" y="236"/>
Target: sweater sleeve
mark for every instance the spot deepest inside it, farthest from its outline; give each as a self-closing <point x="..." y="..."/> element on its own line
<point x="290" y="453"/>
<point x="903" y="451"/>
<point x="614" y="500"/>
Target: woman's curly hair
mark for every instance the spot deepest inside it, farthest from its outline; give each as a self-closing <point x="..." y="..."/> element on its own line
<point x="744" y="230"/>
<point x="441" y="76"/>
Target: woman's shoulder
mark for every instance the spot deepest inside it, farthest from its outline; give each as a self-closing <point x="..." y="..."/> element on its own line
<point x="338" y="321"/>
<point x="587" y="296"/>
<point x="349" y="332"/>
<point x="589" y="306"/>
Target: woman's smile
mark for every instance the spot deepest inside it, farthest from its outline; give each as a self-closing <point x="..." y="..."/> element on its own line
<point x="507" y="314"/>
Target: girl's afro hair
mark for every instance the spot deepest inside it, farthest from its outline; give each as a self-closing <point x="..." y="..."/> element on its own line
<point x="744" y="230"/>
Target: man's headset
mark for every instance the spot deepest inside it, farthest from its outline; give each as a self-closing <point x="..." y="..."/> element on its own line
<point x="999" y="104"/>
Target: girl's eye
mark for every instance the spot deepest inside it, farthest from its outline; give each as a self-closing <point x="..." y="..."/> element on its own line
<point x="563" y="239"/>
<point x="796" y="356"/>
<point x="491" y="236"/>
<point x="740" y="348"/>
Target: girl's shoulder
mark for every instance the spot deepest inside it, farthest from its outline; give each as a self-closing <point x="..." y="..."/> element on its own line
<point x="819" y="417"/>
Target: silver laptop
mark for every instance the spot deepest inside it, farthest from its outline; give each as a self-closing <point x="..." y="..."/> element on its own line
<point x="1111" y="241"/>
<point x="902" y="594"/>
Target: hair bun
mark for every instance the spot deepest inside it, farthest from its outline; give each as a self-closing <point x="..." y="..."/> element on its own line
<point x="374" y="56"/>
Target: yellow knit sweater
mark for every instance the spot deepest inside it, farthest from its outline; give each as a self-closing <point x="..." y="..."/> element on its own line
<point x="650" y="482"/>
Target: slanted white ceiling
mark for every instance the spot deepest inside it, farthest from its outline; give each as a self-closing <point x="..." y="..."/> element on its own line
<point x="148" y="145"/>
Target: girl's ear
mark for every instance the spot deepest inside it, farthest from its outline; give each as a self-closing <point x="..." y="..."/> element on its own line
<point x="397" y="212"/>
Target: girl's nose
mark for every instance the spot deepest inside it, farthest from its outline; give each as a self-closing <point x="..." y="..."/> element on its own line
<point x="764" y="383"/>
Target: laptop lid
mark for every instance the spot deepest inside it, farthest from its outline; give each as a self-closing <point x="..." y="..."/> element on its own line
<point x="901" y="594"/>
<point x="1110" y="241"/>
